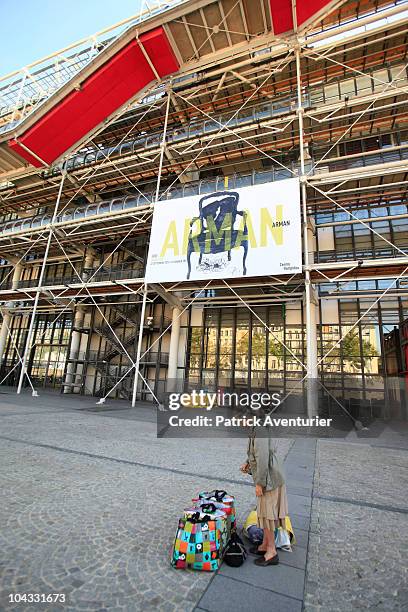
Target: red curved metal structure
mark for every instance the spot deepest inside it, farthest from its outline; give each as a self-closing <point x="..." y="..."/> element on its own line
<point x="141" y="61"/>
<point x="118" y="80"/>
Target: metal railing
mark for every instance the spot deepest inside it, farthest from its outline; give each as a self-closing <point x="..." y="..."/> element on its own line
<point x="197" y="128"/>
<point x="116" y="273"/>
<point x="206" y="186"/>
<point x="321" y="256"/>
<point x="373" y="252"/>
<point x="95" y="357"/>
<point x="193" y="129"/>
<point x="107" y="274"/>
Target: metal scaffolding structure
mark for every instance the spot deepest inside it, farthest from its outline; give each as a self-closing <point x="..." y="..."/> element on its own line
<point x="326" y="102"/>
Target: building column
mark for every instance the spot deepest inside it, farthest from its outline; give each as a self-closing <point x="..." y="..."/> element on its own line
<point x="173" y="350"/>
<point x="77" y="326"/>
<point x="7" y="314"/>
<point x="313" y="297"/>
<point x="88" y="264"/>
<point x="311" y="306"/>
<point x="5" y="326"/>
<point x="76" y="337"/>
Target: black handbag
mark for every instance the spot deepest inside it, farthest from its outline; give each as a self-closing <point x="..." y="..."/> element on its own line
<point x="235" y="552"/>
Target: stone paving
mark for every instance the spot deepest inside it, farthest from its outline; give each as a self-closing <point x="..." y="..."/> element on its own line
<point x="358" y="546"/>
<point x="90" y="504"/>
<point x="90" y="501"/>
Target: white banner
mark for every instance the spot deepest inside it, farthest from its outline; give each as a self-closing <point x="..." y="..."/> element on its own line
<point x="252" y="231"/>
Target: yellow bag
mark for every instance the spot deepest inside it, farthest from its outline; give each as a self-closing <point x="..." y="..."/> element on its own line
<point x="289" y="529"/>
<point x="252" y="519"/>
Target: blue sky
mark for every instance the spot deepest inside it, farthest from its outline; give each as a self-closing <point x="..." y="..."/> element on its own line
<point x="31" y="29"/>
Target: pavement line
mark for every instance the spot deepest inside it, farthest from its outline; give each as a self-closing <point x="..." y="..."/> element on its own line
<point x="394" y="448"/>
<point x="126" y="461"/>
<point x="354" y="502"/>
<point x="150" y="466"/>
<point x="25" y="414"/>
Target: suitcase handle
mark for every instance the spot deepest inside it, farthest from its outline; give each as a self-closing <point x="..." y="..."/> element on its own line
<point x="219" y="494"/>
<point x="195" y="518"/>
<point x="209" y="508"/>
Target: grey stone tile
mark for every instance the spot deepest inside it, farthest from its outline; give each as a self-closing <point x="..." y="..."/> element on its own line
<point x="307" y="453"/>
<point x="229" y="594"/>
<point x="296" y="558"/>
<point x="296" y="472"/>
<point x="303" y="443"/>
<point x="296" y="478"/>
<point x="299" y="463"/>
<point x="304" y="453"/>
<point x="299" y="505"/>
<point x="299" y="522"/>
<point x="299" y="469"/>
<point x="299" y="487"/>
<point x="302" y="537"/>
<point x="282" y="579"/>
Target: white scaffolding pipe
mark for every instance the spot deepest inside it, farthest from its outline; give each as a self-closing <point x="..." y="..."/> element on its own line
<point x="85" y="286"/>
<point x="311" y="344"/>
<point x="354" y="27"/>
<point x="139" y="346"/>
<point x="142" y="314"/>
<point x="163" y="144"/>
<point x="39" y="285"/>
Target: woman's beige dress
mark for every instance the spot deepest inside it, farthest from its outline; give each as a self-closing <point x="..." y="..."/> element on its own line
<point x="272" y="506"/>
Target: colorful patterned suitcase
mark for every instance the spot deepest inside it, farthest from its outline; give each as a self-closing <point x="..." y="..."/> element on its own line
<point x="200" y="541"/>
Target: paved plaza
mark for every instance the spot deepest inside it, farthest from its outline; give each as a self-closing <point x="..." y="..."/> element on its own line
<point x="90" y="500"/>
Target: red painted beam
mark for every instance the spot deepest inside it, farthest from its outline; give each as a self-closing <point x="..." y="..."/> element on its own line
<point x="281" y="11"/>
<point x="306" y="10"/>
<point x="106" y="90"/>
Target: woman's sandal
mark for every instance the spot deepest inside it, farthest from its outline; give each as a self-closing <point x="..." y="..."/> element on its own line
<point x="255" y="551"/>
<point x="263" y="563"/>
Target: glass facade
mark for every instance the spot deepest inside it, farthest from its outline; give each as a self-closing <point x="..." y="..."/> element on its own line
<point x="245" y="349"/>
<point x="46" y="361"/>
<point x="386" y="237"/>
<point x="234" y="349"/>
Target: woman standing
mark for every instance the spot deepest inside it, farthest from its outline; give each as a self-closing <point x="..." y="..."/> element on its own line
<point x="270" y="490"/>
